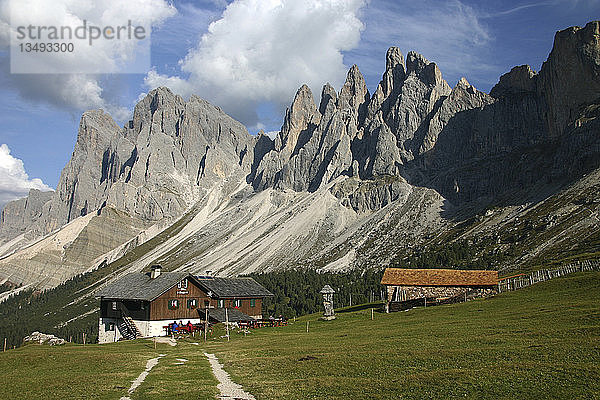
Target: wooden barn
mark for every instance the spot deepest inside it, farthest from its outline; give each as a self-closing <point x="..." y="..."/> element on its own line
<point x="435" y="284"/>
<point x="142" y="304"/>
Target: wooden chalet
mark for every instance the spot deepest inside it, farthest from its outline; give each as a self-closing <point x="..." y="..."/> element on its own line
<point x="405" y="285"/>
<point x="142" y="304"/>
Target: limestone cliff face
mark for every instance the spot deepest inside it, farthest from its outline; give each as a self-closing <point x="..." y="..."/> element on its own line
<point x="460" y="141"/>
<point x="155" y="167"/>
<point x="19" y="216"/>
<point x="350" y="162"/>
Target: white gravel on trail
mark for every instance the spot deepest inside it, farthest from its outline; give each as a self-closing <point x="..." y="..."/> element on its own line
<point x="149" y="365"/>
<point x="229" y="389"/>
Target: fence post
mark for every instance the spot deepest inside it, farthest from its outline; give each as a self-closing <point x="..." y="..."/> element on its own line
<point x="4" y="345"/>
<point x="371" y="314"/>
<point x="307" y="322"/>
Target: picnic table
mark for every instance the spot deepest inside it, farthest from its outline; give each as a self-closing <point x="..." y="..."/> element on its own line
<point x="183" y="328"/>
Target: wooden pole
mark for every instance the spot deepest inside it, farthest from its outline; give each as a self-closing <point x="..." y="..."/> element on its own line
<point x="4" y="345"/>
<point x="205" y="323"/>
<point x="227" y="323"/>
<point x="154" y="340"/>
<point x="84" y="338"/>
<point x="307" y="326"/>
<point x="371" y="314"/>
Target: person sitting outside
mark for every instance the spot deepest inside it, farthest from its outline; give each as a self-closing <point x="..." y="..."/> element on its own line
<point x="174" y="327"/>
<point x="190" y="327"/>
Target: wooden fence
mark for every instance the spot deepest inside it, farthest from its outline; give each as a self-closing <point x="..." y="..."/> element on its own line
<point x="524" y="280"/>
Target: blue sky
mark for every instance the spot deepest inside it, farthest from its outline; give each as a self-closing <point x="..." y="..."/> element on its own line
<point x="274" y="50"/>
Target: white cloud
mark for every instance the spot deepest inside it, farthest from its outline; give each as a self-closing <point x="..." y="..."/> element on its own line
<point x="14" y="181"/>
<point x="264" y="50"/>
<point x="76" y="92"/>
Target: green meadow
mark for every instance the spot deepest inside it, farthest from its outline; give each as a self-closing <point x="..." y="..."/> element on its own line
<point x="542" y="342"/>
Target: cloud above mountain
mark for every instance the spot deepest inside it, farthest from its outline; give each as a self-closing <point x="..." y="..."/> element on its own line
<point x="14" y="181"/>
<point x="76" y="91"/>
<point x="263" y="50"/>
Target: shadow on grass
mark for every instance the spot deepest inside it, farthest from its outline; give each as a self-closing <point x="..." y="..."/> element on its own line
<point x="377" y="306"/>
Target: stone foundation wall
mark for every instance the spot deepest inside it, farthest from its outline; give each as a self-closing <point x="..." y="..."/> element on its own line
<point x="108" y="331"/>
<point x="146" y="328"/>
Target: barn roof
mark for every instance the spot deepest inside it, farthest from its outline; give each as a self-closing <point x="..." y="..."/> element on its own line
<point x="139" y="286"/>
<point x="438" y="277"/>
<point x="234" y="287"/>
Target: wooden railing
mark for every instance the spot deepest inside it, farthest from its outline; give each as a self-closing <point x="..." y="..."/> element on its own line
<point x="523" y="280"/>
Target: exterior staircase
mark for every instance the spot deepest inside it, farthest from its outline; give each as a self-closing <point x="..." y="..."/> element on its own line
<point x="128" y="329"/>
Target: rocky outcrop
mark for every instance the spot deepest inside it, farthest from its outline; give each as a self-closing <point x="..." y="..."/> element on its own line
<point x="520" y="79"/>
<point x="42" y="338"/>
<point x="20" y="216"/>
<point x="313" y="146"/>
<point x="570" y="78"/>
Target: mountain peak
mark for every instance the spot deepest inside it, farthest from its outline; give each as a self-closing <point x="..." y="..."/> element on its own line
<point x="518" y="80"/>
<point x="393" y="58"/>
<point x="354" y="94"/>
<point x="297" y="118"/>
<point x="328" y="95"/>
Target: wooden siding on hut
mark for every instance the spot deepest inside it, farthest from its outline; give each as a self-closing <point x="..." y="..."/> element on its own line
<point x="160" y="310"/>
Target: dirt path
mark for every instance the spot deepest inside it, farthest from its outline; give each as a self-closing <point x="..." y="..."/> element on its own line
<point x="136" y="383"/>
<point x="229" y="389"/>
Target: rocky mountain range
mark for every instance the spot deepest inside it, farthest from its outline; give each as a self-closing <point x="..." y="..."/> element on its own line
<point x="354" y="180"/>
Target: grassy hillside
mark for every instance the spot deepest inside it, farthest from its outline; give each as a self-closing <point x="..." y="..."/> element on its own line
<point x="104" y="372"/>
<point x="542" y="342"/>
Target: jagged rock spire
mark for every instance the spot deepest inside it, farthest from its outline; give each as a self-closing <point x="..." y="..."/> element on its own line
<point x="298" y="117"/>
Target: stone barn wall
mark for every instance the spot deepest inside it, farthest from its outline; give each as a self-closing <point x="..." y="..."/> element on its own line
<point x="435" y="293"/>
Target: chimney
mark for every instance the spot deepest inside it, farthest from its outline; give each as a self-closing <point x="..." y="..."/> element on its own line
<point x="208" y="273"/>
<point x="155" y="271"/>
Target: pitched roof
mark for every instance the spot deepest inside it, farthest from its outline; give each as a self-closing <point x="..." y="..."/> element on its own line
<point x="234" y="287"/>
<point x="327" y="290"/>
<point x="139" y="286"/>
<point x="438" y="277"/>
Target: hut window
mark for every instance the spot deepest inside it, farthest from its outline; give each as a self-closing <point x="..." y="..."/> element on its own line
<point x="173" y="304"/>
<point x="238" y="303"/>
<point x="114" y="305"/>
<point x="221" y="303"/>
<point x="252" y="302"/>
<point x="192" y="303"/>
<point x="109" y="327"/>
<point x="182" y="284"/>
